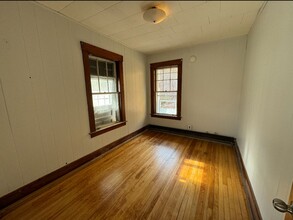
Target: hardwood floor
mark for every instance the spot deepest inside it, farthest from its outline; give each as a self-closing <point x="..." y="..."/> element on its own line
<point x="153" y="176"/>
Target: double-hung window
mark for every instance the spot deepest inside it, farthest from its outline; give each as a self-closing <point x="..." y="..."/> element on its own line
<point x="166" y="80"/>
<point x="104" y="86"/>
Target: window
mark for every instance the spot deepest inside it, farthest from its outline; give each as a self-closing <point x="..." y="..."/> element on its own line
<point x="104" y="89"/>
<point x="166" y="78"/>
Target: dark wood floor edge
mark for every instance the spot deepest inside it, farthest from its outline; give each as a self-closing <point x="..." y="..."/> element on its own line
<point x="195" y="134"/>
<point x="252" y="203"/>
<point x="25" y="190"/>
<point x="251" y="200"/>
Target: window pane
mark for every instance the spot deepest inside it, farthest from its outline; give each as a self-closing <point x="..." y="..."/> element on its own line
<point x="167" y="76"/>
<point x="166" y="103"/>
<point x="174" y="75"/>
<point x="103" y="84"/>
<point x="167" y="85"/>
<point x="102" y="68"/>
<point x="112" y="84"/>
<point x="106" y="109"/>
<point x="105" y="99"/>
<point x="93" y="67"/>
<point x="160" y="71"/>
<point x="165" y="96"/>
<point x="110" y="67"/>
<point x="160" y="85"/>
<point x="174" y="69"/>
<point x="95" y="83"/>
<point x="173" y="85"/>
<point x="167" y="70"/>
<point x="159" y="76"/>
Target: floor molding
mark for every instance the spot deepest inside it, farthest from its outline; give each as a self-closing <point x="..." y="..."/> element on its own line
<point x="255" y="212"/>
<point x="25" y="190"/>
<point x="195" y="134"/>
<point x="252" y="203"/>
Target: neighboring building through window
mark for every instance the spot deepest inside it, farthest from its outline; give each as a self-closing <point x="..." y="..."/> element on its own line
<point x="166" y="80"/>
<point x="104" y="87"/>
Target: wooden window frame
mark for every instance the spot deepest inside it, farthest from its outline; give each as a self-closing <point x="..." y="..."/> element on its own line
<point x="153" y="67"/>
<point x="88" y="49"/>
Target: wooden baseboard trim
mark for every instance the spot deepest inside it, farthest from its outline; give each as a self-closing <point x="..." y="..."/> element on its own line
<point x="195" y="134"/>
<point x="252" y="203"/>
<point x="39" y="183"/>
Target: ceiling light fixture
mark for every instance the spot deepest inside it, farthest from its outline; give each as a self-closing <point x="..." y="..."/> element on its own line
<point x="154" y="15"/>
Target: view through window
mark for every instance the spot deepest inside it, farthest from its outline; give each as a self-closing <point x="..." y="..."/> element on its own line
<point x="166" y="89"/>
<point x="104" y="91"/>
<point x="104" y="88"/>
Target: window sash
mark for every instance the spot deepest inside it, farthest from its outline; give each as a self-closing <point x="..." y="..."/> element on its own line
<point x="105" y="97"/>
<point x="106" y="109"/>
<point x="112" y="68"/>
<point x="103" y="79"/>
<point x="166" y="104"/>
<point x="166" y="82"/>
<point x="166" y="77"/>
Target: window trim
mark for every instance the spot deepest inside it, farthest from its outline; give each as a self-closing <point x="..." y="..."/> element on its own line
<point x="88" y="49"/>
<point x="153" y="67"/>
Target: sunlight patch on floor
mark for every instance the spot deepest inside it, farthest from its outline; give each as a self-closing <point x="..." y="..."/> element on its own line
<point x="191" y="171"/>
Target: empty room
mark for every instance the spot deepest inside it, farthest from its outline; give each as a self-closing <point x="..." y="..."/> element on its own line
<point x="146" y="110"/>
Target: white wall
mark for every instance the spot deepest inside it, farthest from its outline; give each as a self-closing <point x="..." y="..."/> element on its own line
<point x="43" y="111"/>
<point x="266" y="122"/>
<point x="211" y="86"/>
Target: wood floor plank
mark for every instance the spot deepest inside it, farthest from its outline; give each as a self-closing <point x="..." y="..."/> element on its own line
<point x="153" y="176"/>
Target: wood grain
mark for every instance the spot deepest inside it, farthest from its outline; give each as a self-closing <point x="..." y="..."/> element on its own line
<point x="39" y="183"/>
<point x="287" y="215"/>
<point x="43" y="110"/>
<point x="252" y="203"/>
<point x="153" y="176"/>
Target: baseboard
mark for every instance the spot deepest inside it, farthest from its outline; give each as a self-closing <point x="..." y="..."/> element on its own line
<point x="39" y="183"/>
<point x="195" y="134"/>
<point x="252" y="203"/>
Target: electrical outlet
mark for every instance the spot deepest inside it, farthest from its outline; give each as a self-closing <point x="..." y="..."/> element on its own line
<point x="189" y="127"/>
